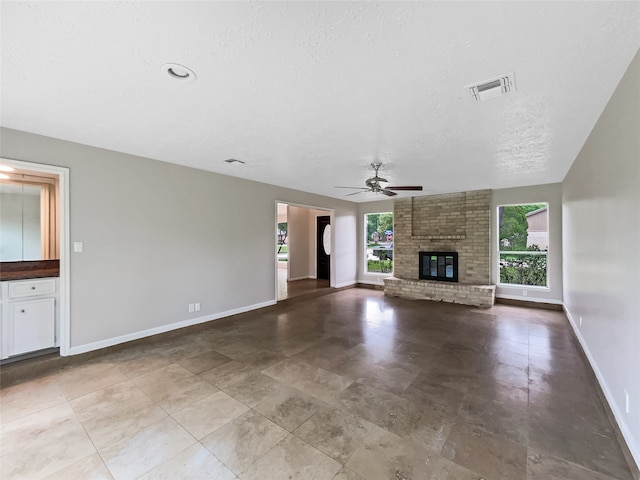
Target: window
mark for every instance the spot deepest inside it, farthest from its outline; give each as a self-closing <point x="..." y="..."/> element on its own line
<point x="283" y="247"/>
<point x="379" y="242"/>
<point x="523" y="244"/>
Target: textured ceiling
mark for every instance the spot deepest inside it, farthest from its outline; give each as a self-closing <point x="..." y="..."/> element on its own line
<point x="309" y="93"/>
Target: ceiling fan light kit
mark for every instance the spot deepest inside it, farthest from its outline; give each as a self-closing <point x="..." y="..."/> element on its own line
<point x="373" y="184"/>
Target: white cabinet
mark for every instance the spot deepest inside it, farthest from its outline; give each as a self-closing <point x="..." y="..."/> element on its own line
<point x="32" y="288"/>
<point x="29" y="315"/>
<point x="32" y="325"/>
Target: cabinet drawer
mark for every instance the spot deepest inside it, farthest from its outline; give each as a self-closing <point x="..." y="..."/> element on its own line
<point x="32" y="288"/>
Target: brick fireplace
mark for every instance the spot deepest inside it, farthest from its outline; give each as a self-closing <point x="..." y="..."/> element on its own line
<point x="455" y="222"/>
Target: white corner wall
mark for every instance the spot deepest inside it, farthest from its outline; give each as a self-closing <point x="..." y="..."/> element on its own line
<point x="158" y="236"/>
<point x="551" y="194"/>
<point x="601" y="224"/>
<point x="298" y="219"/>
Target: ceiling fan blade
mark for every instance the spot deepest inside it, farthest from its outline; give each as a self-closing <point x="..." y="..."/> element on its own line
<point x="355" y="193"/>
<point x="356" y="188"/>
<point x="406" y="187"/>
<point x="388" y="193"/>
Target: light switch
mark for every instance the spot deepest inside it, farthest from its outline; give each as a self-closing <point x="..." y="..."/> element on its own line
<point x="77" y="247"/>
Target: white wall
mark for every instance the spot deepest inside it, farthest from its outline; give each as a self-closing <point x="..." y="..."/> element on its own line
<point x="381" y="206"/>
<point x="551" y="194"/>
<point x="601" y="217"/>
<point x="158" y="236"/>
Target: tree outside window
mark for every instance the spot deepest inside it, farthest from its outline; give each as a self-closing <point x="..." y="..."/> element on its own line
<point x="523" y="244"/>
<point x="379" y="242"/>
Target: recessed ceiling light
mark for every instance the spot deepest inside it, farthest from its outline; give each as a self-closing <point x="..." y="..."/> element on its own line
<point x="235" y="160"/>
<point x="179" y="72"/>
<point x="6" y="168"/>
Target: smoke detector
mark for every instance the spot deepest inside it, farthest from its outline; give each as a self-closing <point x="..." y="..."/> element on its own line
<point x="493" y="88"/>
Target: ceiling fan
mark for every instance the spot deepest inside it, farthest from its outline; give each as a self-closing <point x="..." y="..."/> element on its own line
<point x="373" y="184"/>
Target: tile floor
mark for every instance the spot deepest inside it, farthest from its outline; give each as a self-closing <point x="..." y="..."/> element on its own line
<point x="348" y="386"/>
<point x="297" y="287"/>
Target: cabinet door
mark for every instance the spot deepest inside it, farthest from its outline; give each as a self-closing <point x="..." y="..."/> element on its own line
<point x="32" y="325"/>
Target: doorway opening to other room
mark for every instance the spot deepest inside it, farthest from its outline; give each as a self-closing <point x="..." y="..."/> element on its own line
<point x="303" y="250"/>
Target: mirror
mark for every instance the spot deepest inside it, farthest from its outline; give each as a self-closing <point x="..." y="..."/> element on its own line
<point x="20" y="223"/>
<point x="27" y="218"/>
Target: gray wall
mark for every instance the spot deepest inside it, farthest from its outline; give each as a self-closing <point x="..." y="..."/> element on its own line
<point x="158" y="236"/>
<point x="601" y="224"/>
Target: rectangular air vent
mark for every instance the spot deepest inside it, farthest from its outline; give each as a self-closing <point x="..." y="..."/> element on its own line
<point x="493" y="88"/>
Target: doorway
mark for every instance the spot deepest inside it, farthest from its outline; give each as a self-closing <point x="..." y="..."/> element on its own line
<point x="282" y="251"/>
<point x="323" y="247"/>
<point x="299" y="270"/>
<point x="56" y="243"/>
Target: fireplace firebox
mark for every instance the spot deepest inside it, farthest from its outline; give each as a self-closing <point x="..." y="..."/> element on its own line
<point x="440" y="266"/>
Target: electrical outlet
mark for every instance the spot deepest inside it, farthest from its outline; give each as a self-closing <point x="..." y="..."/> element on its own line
<point x="191" y="308"/>
<point x="197" y="307"/>
<point x="626" y="401"/>
<point x="524" y="293"/>
<point x="580" y="321"/>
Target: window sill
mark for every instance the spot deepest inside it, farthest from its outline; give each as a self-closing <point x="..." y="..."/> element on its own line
<point x="519" y="286"/>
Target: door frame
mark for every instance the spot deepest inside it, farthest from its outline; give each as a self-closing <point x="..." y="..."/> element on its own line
<point x="64" y="279"/>
<point x="330" y="212"/>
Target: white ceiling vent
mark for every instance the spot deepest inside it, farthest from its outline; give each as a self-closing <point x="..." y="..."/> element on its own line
<point x="492" y="88"/>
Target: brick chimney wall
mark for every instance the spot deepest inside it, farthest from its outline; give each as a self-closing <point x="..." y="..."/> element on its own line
<point x="454" y="222"/>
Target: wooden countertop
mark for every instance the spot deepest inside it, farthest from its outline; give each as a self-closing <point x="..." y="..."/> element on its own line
<point x="29" y="269"/>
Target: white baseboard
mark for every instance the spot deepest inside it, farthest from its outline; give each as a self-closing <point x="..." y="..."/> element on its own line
<point x="530" y="299"/>
<point x="345" y="284"/>
<point x="631" y="444"/>
<point x="299" y="278"/>
<point x="109" y="342"/>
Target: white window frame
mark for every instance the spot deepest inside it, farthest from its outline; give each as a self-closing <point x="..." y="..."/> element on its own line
<point x="516" y="252"/>
<point x="366" y="246"/>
